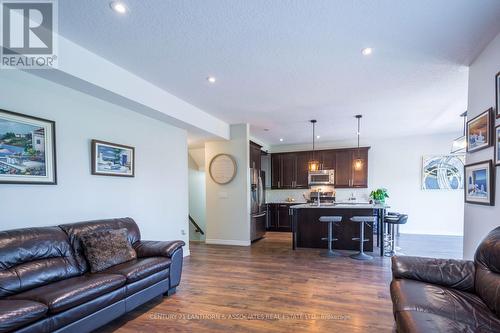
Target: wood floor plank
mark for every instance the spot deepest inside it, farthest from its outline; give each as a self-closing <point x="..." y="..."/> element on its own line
<point x="269" y="288"/>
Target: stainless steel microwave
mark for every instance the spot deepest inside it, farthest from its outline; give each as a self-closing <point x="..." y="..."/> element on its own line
<point x="322" y="177"/>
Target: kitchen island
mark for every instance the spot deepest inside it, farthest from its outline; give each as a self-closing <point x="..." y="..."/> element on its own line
<point x="308" y="231"/>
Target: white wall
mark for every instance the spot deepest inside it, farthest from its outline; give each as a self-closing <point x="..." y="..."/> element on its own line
<point x="479" y="220"/>
<point x="197" y="198"/>
<point x="228" y="206"/>
<point x="157" y="198"/>
<point x="396" y="164"/>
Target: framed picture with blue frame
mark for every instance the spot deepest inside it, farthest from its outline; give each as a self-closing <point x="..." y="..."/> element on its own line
<point x="480" y="183"/>
<point x="111" y="159"/>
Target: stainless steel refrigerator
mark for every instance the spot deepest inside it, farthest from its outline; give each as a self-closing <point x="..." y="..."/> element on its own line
<point x="258" y="213"/>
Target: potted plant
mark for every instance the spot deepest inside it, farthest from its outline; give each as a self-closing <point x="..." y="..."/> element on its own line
<point x="379" y="195"/>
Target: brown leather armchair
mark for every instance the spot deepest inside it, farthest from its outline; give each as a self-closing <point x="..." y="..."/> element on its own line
<point x="444" y="295"/>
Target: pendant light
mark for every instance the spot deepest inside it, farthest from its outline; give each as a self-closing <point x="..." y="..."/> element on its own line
<point x="313" y="164"/>
<point x="460" y="144"/>
<point x="358" y="162"/>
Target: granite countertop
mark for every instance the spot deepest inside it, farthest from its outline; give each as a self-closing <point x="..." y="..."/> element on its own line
<point x="286" y="203"/>
<point x="342" y="206"/>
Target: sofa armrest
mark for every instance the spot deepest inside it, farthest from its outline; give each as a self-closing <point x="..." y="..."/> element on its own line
<point x="456" y="274"/>
<point x="157" y="248"/>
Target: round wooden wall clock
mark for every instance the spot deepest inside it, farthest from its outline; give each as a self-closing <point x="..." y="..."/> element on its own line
<point x="222" y="169"/>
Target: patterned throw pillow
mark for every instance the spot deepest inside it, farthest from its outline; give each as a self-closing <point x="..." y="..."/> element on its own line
<point x="106" y="248"/>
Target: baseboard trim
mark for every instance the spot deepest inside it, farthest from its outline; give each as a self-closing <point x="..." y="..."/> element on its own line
<point x="227" y="242"/>
<point x="186" y="253"/>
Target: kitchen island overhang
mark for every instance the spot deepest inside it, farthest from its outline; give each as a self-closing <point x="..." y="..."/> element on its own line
<point x="308" y="232"/>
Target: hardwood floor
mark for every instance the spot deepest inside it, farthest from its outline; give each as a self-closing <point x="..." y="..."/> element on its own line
<point x="269" y="288"/>
<point x="435" y="246"/>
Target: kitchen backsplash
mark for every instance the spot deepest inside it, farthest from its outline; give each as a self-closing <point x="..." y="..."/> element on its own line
<point x="341" y="194"/>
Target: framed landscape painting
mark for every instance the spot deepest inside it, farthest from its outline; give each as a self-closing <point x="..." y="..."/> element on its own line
<point x="497" y="145"/>
<point x="443" y="172"/>
<point x="480" y="183"/>
<point x="497" y="93"/>
<point x="479" y="131"/>
<point x="111" y="159"/>
<point x="27" y="149"/>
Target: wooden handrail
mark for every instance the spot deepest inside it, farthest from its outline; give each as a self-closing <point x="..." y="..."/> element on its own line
<point x="196" y="226"/>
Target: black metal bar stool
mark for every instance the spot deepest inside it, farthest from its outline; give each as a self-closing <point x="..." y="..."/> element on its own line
<point x="392" y="220"/>
<point x="362" y="220"/>
<point x="330" y="220"/>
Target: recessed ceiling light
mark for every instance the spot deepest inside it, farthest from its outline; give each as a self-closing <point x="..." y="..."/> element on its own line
<point x="367" y="51"/>
<point x="118" y="7"/>
<point x="266" y="129"/>
<point x="317" y="136"/>
<point x="281" y="140"/>
<point x="211" y="79"/>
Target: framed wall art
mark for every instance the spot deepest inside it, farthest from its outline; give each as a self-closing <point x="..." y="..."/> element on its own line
<point x="27" y="149"/>
<point x="497" y="94"/>
<point x="111" y="159"/>
<point x="497" y="145"/>
<point x="443" y="172"/>
<point x="479" y="131"/>
<point x="480" y="183"/>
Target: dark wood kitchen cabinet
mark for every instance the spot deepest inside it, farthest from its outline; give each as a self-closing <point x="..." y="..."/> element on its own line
<point x="360" y="177"/>
<point x="255" y="155"/>
<point x="346" y="175"/>
<point x="284" y="170"/>
<point x="283" y="218"/>
<point x="326" y="158"/>
<point x="343" y="169"/>
<point x="272" y="217"/>
<point x="278" y="218"/>
<point x="290" y="170"/>
<point x="302" y="178"/>
<point x="276" y="171"/>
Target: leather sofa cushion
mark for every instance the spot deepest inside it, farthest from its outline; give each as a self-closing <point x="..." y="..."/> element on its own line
<point x="141" y="284"/>
<point x="487" y="259"/>
<point x="63" y="295"/>
<point x="106" y="248"/>
<point x="423" y="322"/>
<point x="75" y="230"/>
<point x="17" y="313"/>
<point x="138" y="269"/>
<point x="456" y="305"/>
<point x="33" y="257"/>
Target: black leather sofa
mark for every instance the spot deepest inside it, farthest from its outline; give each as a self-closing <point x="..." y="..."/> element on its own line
<point x="46" y="285"/>
<point x="440" y="295"/>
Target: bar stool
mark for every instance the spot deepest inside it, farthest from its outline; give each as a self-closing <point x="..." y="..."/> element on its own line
<point x="392" y="220"/>
<point x="362" y="220"/>
<point x="330" y="220"/>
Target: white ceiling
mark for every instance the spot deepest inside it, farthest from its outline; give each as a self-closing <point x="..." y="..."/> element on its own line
<point x="280" y="63"/>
